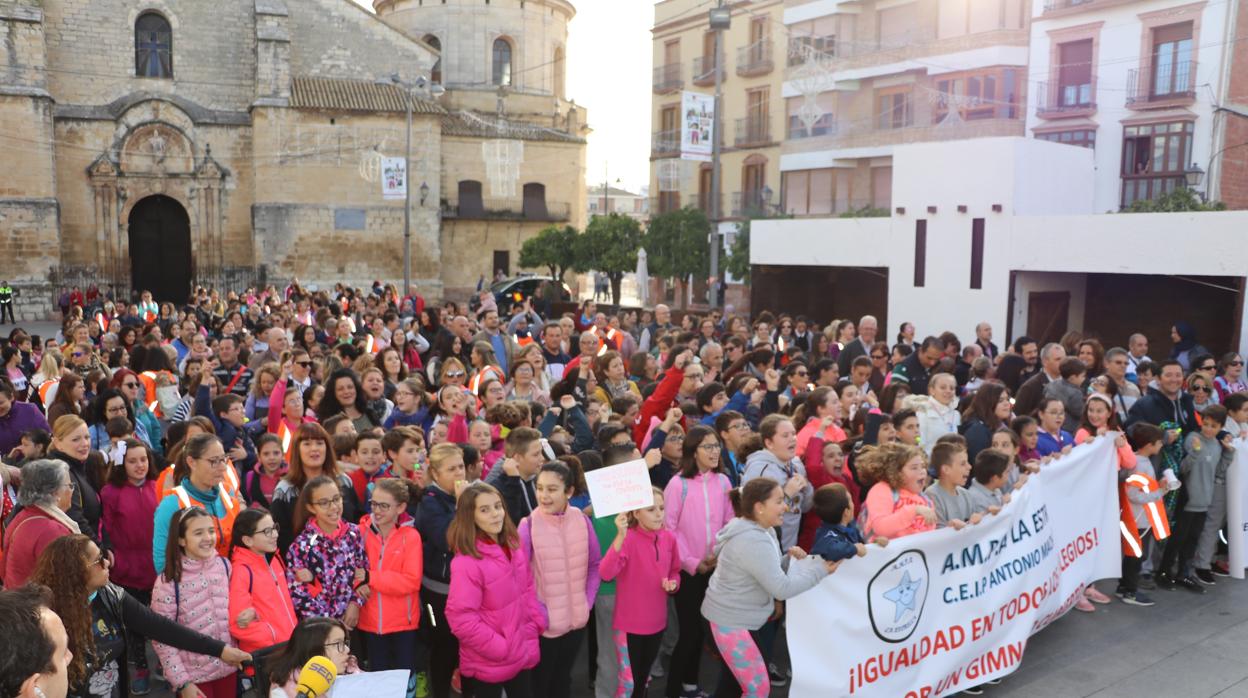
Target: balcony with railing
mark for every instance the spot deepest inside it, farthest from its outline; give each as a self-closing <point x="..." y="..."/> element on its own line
<point x="755" y="59"/>
<point x="752" y="203"/>
<point x="516" y="209"/>
<point x="667" y="78"/>
<point x="825" y="125"/>
<point x="1061" y="8"/>
<point x="1058" y="101"/>
<point x="1166" y="84"/>
<point x="803" y="48"/>
<point x="753" y="131"/>
<point x="704" y="71"/>
<point x="665" y="144"/>
<point x="912" y="125"/>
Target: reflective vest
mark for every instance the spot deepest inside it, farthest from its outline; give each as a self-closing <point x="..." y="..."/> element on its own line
<point x="1132" y="545"/>
<point x="283" y="433"/>
<point x="45" y="388"/>
<point x="225" y="526"/>
<point x="148" y="378"/>
<point x="164" y="488"/>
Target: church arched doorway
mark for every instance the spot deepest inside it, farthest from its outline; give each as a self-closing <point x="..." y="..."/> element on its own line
<point x="160" y="249"/>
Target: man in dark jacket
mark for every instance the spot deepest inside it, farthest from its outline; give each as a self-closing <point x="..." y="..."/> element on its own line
<point x="1166" y="403"/>
<point x="916" y="368"/>
<point x="867" y="327"/>
<point x="1032" y="390"/>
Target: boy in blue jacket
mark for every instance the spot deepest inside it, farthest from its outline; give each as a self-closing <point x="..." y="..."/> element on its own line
<point x="228" y="418"/>
<point x="838" y="537"/>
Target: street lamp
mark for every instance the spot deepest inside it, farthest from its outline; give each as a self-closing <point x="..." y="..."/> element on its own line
<point x="1192" y="177"/>
<point x="433" y="90"/>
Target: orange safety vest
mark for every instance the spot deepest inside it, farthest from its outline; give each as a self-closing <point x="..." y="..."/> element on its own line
<point x="225" y="526"/>
<point x="46" y="388"/>
<point x="148" y="378"/>
<point x="283" y="433"/>
<point x="1132" y="545"/>
<point x="164" y="489"/>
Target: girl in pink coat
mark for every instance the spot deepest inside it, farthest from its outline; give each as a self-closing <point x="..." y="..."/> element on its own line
<point x="194" y="591"/>
<point x="646" y="566"/>
<point x="895" y="505"/>
<point x="129" y="504"/>
<point x="492" y="606"/>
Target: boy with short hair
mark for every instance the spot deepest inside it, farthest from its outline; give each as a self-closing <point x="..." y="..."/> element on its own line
<point x="367" y="453"/>
<point x="1145" y="494"/>
<point x="990" y="475"/>
<point x="1070" y="391"/>
<point x="1203" y="471"/>
<point x="906" y="422"/>
<point x="515" y="479"/>
<point x="838" y="537"/>
<point x="949" y="495"/>
<point x="228" y="417"/>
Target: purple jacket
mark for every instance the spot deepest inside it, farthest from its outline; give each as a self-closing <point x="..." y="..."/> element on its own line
<point x="22" y="417"/>
<point x="493" y="610"/>
<point x="129" y="517"/>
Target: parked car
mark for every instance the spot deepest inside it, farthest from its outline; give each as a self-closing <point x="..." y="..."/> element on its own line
<point x="515" y="290"/>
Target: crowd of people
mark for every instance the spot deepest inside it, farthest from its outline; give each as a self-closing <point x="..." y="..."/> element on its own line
<point x="253" y="479"/>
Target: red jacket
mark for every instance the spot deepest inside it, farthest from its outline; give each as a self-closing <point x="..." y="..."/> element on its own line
<point x="395" y="566"/>
<point x="260" y="585"/>
<point x="25" y="537"/>
<point x="657" y="405"/>
<point x="819" y="476"/>
<point x="129" y="516"/>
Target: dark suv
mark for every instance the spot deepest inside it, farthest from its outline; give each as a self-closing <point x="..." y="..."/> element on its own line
<point x="515" y="290"/>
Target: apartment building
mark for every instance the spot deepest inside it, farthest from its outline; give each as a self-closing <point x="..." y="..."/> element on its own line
<point x="751" y="64"/>
<point x="865" y="76"/>
<point x="1137" y="82"/>
<point x="616" y="200"/>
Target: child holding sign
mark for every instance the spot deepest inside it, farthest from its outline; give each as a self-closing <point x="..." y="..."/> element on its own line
<point x="560" y="541"/>
<point x="646" y="566"/>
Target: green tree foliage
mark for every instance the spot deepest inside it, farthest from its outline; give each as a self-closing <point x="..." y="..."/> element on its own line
<point x="738" y="263"/>
<point x="866" y="211"/>
<point x="1182" y="199"/>
<point x="609" y="244"/>
<point x="678" y="245"/>
<point x="553" y="248"/>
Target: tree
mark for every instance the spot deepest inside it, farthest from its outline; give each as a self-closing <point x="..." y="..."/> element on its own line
<point x="553" y="248"/>
<point x="609" y="244"/>
<point x="678" y="244"/>
<point x="1182" y="199"/>
<point x="738" y="262"/>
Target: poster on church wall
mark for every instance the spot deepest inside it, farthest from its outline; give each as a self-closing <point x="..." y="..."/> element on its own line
<point x="697" y="124"/>
<point x="393" y="179"/>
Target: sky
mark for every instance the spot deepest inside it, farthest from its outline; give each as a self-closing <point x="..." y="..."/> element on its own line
<point x="609" y="59"/>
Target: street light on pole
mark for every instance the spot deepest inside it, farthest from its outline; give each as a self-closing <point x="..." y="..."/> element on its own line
<point x="720" y="19"/>
<point x="433" y="90"/>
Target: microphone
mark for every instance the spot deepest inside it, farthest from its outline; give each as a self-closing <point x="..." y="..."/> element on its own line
<point x="316" y="677"/>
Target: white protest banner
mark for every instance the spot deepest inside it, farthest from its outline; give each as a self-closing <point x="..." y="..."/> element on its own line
<point x="697" y="126"/>
<point x="371" y="684"/>
<point x="1237" y="509"/>
<point x="934" y="613"/>
<point x="393" y="179"/>
<point x="623" y="487"/>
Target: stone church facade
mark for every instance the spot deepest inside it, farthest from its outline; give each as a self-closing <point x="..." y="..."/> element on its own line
<point x="156" y="144"/>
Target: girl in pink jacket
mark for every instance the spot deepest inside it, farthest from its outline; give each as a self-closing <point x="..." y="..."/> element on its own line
<point x="492" y="607"/>
<point x="194" y="591"/>
<point x="644" y="561"/>
<point x="697" y="507"/>
<point x="560" y="542"/>
<point x="129" y="507"/>
<point x="895" y="505"/>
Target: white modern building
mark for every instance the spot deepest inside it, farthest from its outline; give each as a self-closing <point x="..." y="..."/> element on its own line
<point x="1135" y="82"/>
<point x="1011" y="231"/>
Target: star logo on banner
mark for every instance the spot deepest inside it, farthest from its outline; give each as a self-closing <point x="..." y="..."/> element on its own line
<point x="903" y="595"/>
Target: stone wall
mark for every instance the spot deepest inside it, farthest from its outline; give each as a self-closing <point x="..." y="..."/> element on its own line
<point x="31" y="252"/>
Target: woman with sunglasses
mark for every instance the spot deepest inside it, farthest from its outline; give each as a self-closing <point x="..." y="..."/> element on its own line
<point x="131" y="387"/>
<point x="1201" y="390"/>
<point x="1230" y="378"/>
<point x="99" y="615"/>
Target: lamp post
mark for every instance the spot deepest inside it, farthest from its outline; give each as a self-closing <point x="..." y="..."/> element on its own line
<point x="433" y="90"/>
<point x="1192" y="177"/>
<point x="719" y="19"/>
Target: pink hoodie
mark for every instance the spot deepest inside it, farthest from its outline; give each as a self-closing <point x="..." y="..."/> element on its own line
<point x="493" y="610"/>
<point x="696" y="509"/>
